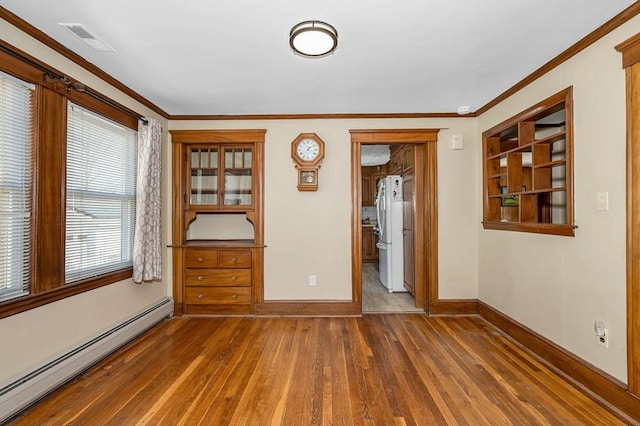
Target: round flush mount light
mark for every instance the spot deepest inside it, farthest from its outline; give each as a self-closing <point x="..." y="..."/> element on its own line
<point x="313" y="39"/>
<point x="464" y="110"/>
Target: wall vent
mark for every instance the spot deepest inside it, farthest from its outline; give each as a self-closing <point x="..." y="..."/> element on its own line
<point x="82" y="33"/>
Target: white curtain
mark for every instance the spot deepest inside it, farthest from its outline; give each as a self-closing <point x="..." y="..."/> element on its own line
<point x="147" y="246"/>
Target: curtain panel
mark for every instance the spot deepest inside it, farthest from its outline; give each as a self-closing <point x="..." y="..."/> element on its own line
<point x="147" y="246"/>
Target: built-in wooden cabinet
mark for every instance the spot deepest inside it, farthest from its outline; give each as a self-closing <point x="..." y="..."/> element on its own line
<point x="219" y="176"/>
<point x="217" y="172"/>
<point x="218" y="277"/>
<point x="369" y="249"/>
<point x="366" y="188"/>
<point x="528" y="169"/>
<point x="370" y="177"/>
<point x="402" y="159"/>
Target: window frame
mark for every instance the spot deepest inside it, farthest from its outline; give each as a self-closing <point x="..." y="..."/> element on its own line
<point x="49" y="168"/>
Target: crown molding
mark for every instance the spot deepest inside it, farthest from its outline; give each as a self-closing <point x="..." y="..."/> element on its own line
<point x="578" y="47"/>
<point x="29" y="29"/>
<point x="582" y="44"/>
<point x="319" y="116"/>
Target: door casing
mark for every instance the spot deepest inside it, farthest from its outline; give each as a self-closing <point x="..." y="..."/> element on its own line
<point x="426" y="220"/>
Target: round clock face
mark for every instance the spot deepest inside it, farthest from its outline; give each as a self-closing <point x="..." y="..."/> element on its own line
<point x="307" y="149"/>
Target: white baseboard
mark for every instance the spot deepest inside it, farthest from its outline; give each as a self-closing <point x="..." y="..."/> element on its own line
<point x="31" y="387"/>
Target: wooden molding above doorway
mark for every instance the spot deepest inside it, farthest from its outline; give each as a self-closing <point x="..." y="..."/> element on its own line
<point x="426" y="223"/>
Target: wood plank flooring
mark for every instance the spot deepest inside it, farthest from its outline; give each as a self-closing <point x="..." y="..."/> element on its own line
<point x="391" y="369"/>
<point x="376" y="298"/>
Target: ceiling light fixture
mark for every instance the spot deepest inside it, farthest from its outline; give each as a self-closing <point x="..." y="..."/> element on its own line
<point x="464" y="110"/>
<point x="313" y="39"/>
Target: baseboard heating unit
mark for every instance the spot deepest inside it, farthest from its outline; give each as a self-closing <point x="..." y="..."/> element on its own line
<point x="31" y="387"/>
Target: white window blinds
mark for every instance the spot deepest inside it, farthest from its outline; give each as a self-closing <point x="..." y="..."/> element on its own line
<point x="16" y="170"/>
<point x="101" y="187"/>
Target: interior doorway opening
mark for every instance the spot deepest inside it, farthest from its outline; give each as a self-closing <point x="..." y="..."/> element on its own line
<point x="414" y="162"/>
<point x="388" y="214"/>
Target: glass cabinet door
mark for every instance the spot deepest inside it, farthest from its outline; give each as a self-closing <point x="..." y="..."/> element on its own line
<point x="204" y="176"/>
<point x="238" y="179"/>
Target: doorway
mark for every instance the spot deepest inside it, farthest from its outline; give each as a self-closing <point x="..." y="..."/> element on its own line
<point x="424" y="214"/>
<point x="387" y="195"/>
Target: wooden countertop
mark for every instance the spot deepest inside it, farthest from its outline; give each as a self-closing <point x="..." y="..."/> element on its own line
<point x="219" y="243"/>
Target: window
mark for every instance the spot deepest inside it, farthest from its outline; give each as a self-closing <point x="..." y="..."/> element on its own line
<point x="67" y="186"/>
<point x="528" y="169"/>
<point x="16" y="169"/>
<point x="101" y="185"/>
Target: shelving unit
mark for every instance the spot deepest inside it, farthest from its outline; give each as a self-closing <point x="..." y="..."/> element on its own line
<point x="528" y="169"/>
<point x="217" y="172"/>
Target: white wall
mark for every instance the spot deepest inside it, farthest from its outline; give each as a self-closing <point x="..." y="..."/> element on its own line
<point x="310" y="232"/>
<point x="558" y="286"/>
<point x="31" y="338"/>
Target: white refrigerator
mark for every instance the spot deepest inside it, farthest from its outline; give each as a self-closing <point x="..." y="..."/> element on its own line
<point x="389" y="215"/>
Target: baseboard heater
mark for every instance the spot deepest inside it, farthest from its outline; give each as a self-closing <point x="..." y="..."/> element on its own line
<point x="38" y="383"/>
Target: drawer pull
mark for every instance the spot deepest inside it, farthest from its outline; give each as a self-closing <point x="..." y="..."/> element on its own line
<point x="201" y="259"/>
<point x="200" y="277"/>
<point x="234" y="259"/>
<point x="201" y="296"/>
<point x="234" y="296"/>
<point x="233" y="278"/>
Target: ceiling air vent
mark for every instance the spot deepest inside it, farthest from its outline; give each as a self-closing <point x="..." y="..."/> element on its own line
<point x="89" y="38"/>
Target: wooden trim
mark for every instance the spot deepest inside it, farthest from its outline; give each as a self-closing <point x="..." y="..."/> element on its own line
<point x="49" y="196"/>
<point x="630" y="50"/>
<point x="454" y="307"/>
<point x="431" y="223"/>
<point x="426" y="205"/>
<point x="74" y="57"/>
<point x="631" y="61"/>
<point x="393" y="136"/>
<point x="16" y="306"/>
<point x="308" y="308"/>
<point x="633" y="228"/>
<point x="356" y="224"/>
<point x="222" y="117"/>
<point x="537" y="228"/>
<point x="240" y="136"/>
<point x="578" y="47"/>
<point x="567" y="364"/>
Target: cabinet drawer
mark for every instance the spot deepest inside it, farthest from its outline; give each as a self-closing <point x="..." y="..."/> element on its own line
<point x="200" y="258"/>
<point x="218" y="295"/>
<point x="234" y="259"/>
<point x="218" y="277"/>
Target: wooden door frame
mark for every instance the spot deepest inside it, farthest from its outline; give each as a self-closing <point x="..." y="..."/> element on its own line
<point x="426" y="220"/>
<point x="630" y="50"/>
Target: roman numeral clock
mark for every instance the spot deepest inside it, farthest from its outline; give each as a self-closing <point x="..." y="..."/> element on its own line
<point x="307" y="151"/>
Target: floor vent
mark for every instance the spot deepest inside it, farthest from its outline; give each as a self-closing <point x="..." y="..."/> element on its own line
<point x="26" y="390"/>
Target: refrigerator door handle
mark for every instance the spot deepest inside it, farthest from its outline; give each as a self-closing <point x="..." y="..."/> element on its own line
<point x="380" y="207"/>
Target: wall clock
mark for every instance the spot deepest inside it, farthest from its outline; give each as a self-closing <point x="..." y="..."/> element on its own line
<point x="307" y="151"/>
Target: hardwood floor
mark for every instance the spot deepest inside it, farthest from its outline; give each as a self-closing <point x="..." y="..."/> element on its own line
<point x="376" y="298"/>
<point x="375" y="370"/>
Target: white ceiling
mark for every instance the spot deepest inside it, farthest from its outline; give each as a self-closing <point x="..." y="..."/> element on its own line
<point x="393" y="56"/>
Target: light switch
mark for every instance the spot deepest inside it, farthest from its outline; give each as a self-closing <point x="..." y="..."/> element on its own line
<point x="457" y="142"/>
<point x="602" y="200"/>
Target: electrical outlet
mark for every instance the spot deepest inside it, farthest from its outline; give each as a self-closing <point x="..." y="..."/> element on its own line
<point x="604" y="339"/>
<point x="312" y="280"/>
